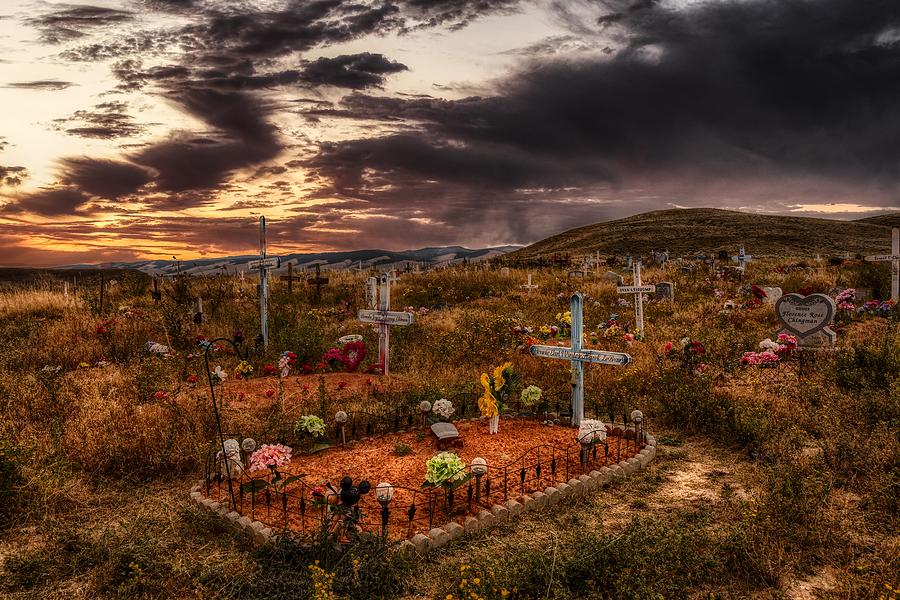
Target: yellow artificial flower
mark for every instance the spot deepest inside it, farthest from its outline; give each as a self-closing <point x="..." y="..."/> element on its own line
<point x="499" y="380"/>
<point x="488" y="403"/>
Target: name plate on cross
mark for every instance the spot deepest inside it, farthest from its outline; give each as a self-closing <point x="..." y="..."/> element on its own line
<point x="386" y="317"/>
<point x="264" y="263"/>
<point x="600" y="357"/>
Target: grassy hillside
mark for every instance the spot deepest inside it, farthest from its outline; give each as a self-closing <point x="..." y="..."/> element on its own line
<point x="708" y="230"/>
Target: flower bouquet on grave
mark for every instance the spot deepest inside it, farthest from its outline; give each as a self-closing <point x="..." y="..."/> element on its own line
<point x="530" y="397"/>
<point x="498" y="386"/>
<point x="448" y="471"/>
<point x="271" y="457"/>
<point x="311" y="428"/>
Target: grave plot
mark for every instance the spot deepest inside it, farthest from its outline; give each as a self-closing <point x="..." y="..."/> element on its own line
<point x="522" y="465"/>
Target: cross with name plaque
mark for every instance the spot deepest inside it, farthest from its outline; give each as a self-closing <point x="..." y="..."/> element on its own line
<point x="894" y="259"/>
<point x="383" y="316"/>
<point x="578" y="355"/>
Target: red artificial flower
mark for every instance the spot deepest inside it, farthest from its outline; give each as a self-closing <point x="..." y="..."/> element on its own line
<point x="270" y="393"/>
<point x="161" y="395"/>
<point x="192" y="379"/>
<point x="269" y="370"/>
<point x="341" y="385"/>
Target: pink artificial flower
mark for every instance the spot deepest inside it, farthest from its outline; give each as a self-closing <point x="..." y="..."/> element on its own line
<point x="628" y="337"/>
<point x="270" y="456"/>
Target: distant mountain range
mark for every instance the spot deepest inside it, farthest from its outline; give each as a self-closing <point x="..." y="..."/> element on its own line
<point x="362" y="259"/>
<point x="707" y="230"/>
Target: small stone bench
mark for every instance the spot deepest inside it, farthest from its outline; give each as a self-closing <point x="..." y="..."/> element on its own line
<point x="447" y="436"/>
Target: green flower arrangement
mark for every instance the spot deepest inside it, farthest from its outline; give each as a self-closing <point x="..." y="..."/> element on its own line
<point x="310" y="425"/>
<point x="445" y="469"/>
<point x="531" y="395"/>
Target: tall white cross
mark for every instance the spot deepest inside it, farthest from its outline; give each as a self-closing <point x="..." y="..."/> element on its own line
<point x="383" y="315"/>
<point x="263" y="264"/>
<point x="894" y="259"/>
<point x="578" y="356"/>
<point x="530" y="286"/>
<point x="638" y="290"/>
<point x="742" y="257"/>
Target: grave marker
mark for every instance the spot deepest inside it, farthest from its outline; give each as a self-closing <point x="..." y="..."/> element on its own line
<point x="894" y="259"/>
<point x="385" y="318"/>
<point x="638" y="290"/>
<point x="578" y="356"/>
<point x="318" y="281"/>
<point x="530" y="286"/>
<point x="504" y="271"/>
<point x="665" y="290"/>
<point x="808" y="318"/>
<point x="289" y="278"/>
<point x="263" y="264"/>
<point x="773" y="294"/>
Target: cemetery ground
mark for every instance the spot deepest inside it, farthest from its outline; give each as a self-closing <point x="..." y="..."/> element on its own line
<point x="771" y="480"/>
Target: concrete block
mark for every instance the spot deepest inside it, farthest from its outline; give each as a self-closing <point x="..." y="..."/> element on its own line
<point x="471" y="525"/>
<point x="514" y="508"/>
<point x="439" y="537"/>
<point x="422" y="543"/>
<point x="540" y="499"/>
<point x="486" y="520"/>
<point x="501" y="513"/>
<point x="455" y="530"/>
<point x="565" y="489"/>
<point x="553" y="495"/>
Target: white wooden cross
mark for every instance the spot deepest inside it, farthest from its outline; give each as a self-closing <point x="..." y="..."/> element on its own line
<point x="384" y="316"/>
<point x="530" y="286"/>
<point x="638" y="290"/>
<point x="741" y="257"/>
<point x="578" y="356"/>
<point x="263" y="264"/>
<point x="894" y="259"/>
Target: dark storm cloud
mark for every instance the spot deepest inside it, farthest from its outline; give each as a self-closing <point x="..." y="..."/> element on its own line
<point x="50" y="202"/>
<point x="104" y="178"/>
<point x="454" y="14"/>
<point x="108" y="120"/>
<point x="249" y="139"/>
<point x="749" y="91"/>
<point x="354" y="71"/>
<point x="12" y="176"/>
<point x="70" y="22"/>
<point x="50" y="85"/>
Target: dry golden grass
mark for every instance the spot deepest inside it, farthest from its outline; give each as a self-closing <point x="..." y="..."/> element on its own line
<point x="105" y="466"/>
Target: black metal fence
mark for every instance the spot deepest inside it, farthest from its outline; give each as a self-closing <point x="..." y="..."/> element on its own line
<point x="304" y="508"/>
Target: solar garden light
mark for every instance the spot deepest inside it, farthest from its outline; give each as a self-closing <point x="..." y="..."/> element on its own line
<point x="384" y="493"/>
<point x="479" y="468"/>
<point x="340" y="418"/>
<point x="638" y="418"/>
<point x="424" y="408"/>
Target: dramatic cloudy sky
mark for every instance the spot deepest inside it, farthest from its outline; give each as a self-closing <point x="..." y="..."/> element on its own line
<point x="147" y="128"/>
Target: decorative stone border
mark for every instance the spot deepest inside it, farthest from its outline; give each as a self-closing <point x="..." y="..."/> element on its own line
<point x="421" y="544"/>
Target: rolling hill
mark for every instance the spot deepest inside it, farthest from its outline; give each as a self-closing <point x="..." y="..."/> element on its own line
<point x="708" y="230"/>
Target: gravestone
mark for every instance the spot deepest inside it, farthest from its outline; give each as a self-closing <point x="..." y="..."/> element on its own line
<point x="665" y="290"/>
<point x="773" y="294"/>
<point x="614" y="277"/>
<point x="504" y="271"/>
<point x="447" y="435"/>
<point x="577" y="273"/>
<point x="808" y="318"/>
<point x="862" y="295"/>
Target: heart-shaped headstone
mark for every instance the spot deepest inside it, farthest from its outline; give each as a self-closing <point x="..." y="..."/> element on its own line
<point x="805" y="315"/>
